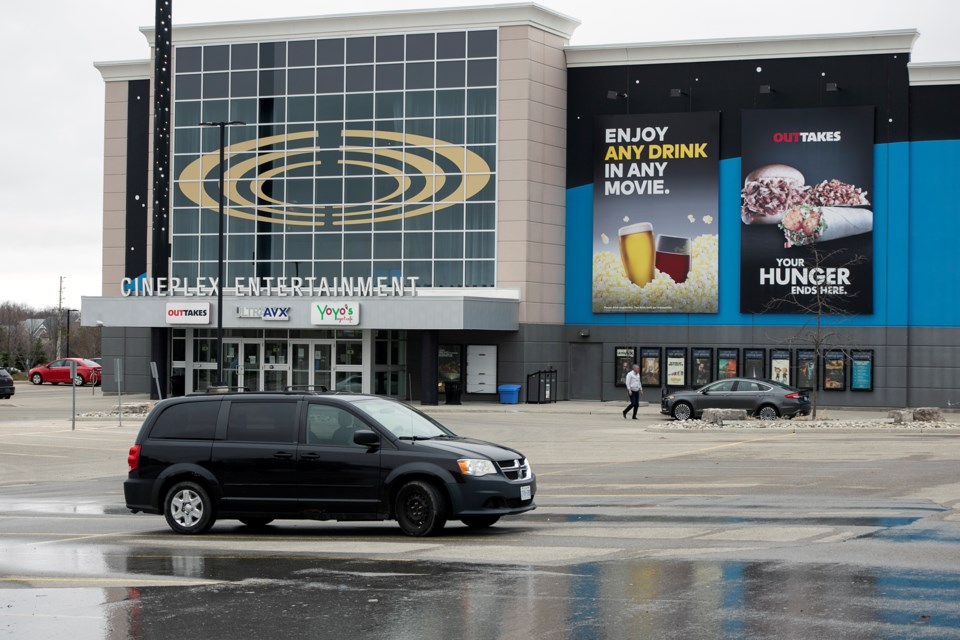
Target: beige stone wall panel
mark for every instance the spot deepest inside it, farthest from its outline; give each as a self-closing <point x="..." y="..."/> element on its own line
<point x="532" y="170"/>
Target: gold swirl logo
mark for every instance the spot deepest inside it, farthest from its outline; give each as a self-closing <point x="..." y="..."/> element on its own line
<point x="429" y="175"/>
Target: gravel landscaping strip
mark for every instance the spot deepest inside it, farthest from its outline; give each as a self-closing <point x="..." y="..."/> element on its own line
<point x="803" y="425"/>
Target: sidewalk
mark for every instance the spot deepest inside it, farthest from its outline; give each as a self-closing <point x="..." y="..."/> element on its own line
<point x="649" y="410"/>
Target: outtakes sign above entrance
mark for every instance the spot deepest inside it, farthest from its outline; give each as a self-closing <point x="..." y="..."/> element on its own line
<point x="188" y="313"/>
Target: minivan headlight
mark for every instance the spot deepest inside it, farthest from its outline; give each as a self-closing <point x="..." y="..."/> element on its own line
<point x="471" y="467"/>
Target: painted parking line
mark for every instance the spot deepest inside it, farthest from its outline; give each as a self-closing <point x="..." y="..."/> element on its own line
<point x="103" y="582"/>
<point x="30" y="455"/>
<point x="678" y="454"/>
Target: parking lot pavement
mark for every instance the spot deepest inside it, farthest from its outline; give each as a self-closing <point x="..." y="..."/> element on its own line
<point x="633" y="521"/>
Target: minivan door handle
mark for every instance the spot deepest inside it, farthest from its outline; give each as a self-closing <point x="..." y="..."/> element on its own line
<point x="310" y="456"/>
<point x="283" y="455"/>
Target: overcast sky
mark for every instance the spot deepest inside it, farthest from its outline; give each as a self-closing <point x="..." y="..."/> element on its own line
<point x="51" y="115"/>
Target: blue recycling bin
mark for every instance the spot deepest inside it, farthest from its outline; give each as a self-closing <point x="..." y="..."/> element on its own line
<point x="509" y="393"/>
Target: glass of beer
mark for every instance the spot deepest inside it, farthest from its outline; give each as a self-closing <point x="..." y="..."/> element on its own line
<point x="673" y="257"/>
<point x="637" y="252"/>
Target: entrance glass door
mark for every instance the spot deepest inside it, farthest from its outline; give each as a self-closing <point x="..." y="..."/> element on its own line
<point x="231" y="364"/>
<point x="311" y="365"/>
<point x="275" y="367"/>
<point x="300" y="365"/>
<point x="322" y="366"/>
<point x="249" y="371"/>
<point x="204" y="373"/>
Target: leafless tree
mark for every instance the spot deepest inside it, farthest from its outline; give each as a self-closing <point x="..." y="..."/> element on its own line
<point x="85" y="341"/>
<point x="814" y="334"/>
<point x="20" y="345"/>
<point x="15" y="344"/>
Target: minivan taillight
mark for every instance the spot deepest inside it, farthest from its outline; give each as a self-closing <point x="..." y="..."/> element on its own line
<point x="133" y="458"/>
<point x="794" y="396"/>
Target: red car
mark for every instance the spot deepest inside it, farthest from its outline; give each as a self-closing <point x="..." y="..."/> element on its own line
<point x="59" y="371"/>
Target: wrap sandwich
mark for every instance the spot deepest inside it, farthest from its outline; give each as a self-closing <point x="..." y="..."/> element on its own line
<point x="806" y="224"/>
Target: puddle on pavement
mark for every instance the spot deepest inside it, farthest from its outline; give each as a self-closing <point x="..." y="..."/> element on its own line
<point x="910" y="534"/>
<point x="826" y="521"/>
<point x="36" y="506"/>
<point x="643" y="598"/>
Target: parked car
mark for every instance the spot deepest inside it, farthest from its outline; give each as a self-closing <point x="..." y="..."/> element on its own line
<point x="7" y="387"/>
<point x="58" y="371"/>
<point x="765" y="399"/>
<point x="257" y="457"/>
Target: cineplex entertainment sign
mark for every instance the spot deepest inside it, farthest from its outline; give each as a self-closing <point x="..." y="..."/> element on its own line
<point x="805" y="210"/>
<point x="271" y="286"/>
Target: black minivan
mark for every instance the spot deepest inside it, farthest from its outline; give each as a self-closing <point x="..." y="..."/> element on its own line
<point x="258" y="457"/>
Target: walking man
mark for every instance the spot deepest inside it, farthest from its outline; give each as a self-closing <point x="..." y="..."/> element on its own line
<point x="635" y="389"/>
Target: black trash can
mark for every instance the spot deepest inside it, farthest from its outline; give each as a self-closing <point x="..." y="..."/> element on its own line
<point x="452" y="392"/>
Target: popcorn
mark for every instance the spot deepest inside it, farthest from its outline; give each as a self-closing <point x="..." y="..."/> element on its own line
<point x="604" y="238"/>
<point x="691" y="218"/>
<point x="626" y="218"/>
<point x="613" y="291"/>
<point x="708" y="219"/>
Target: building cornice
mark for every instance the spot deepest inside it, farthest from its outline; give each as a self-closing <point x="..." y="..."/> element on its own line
<point x="373" y="23"/>
<point x="125" y="70"/>
<point x="934" y="73"/>
<point x="806" y="46"/>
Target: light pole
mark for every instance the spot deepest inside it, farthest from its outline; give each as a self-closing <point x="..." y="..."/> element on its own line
<point x="223" y="129"/>
<point x="68" y="330"/>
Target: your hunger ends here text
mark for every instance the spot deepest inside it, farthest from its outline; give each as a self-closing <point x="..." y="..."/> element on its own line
<point x="806" y="280"/>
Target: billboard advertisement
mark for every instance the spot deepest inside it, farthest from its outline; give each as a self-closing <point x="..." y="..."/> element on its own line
<point x="806" y="232"/>
<point x="655" y="207"/>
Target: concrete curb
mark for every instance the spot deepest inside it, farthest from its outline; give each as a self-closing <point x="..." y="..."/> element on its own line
<point x="953" y="430"/>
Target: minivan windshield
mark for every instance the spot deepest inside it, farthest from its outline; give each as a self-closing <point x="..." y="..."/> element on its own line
<point x="402" y="421"/>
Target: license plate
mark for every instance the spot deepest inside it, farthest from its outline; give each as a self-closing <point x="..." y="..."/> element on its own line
<point x="525" y="492"/>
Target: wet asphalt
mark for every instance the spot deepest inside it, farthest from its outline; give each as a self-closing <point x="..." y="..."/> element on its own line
<point x="639" y="534"/>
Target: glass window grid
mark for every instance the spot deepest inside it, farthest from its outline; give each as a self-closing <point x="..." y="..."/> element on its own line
<point x="459" y="256"/>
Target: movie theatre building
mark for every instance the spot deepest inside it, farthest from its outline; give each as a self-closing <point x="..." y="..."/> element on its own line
<point x="422" y="198"/>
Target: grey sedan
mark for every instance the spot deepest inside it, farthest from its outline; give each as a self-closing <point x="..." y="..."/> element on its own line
<point x="765" y="399"/>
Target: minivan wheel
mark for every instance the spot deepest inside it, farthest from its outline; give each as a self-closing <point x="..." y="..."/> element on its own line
<point x="768" y="412"/>
<point x="682" y="411"/>
<point x="36" y="378"/>
<point x="188" y="508"/>
<point x="479" y="522"/>
<point x="420" y="508"/>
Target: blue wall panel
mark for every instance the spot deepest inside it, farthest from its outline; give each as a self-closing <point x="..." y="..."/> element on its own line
<point x="934" y="264"/>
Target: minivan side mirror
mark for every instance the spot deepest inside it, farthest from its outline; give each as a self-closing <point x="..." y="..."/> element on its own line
<point x="366" y="438"/>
